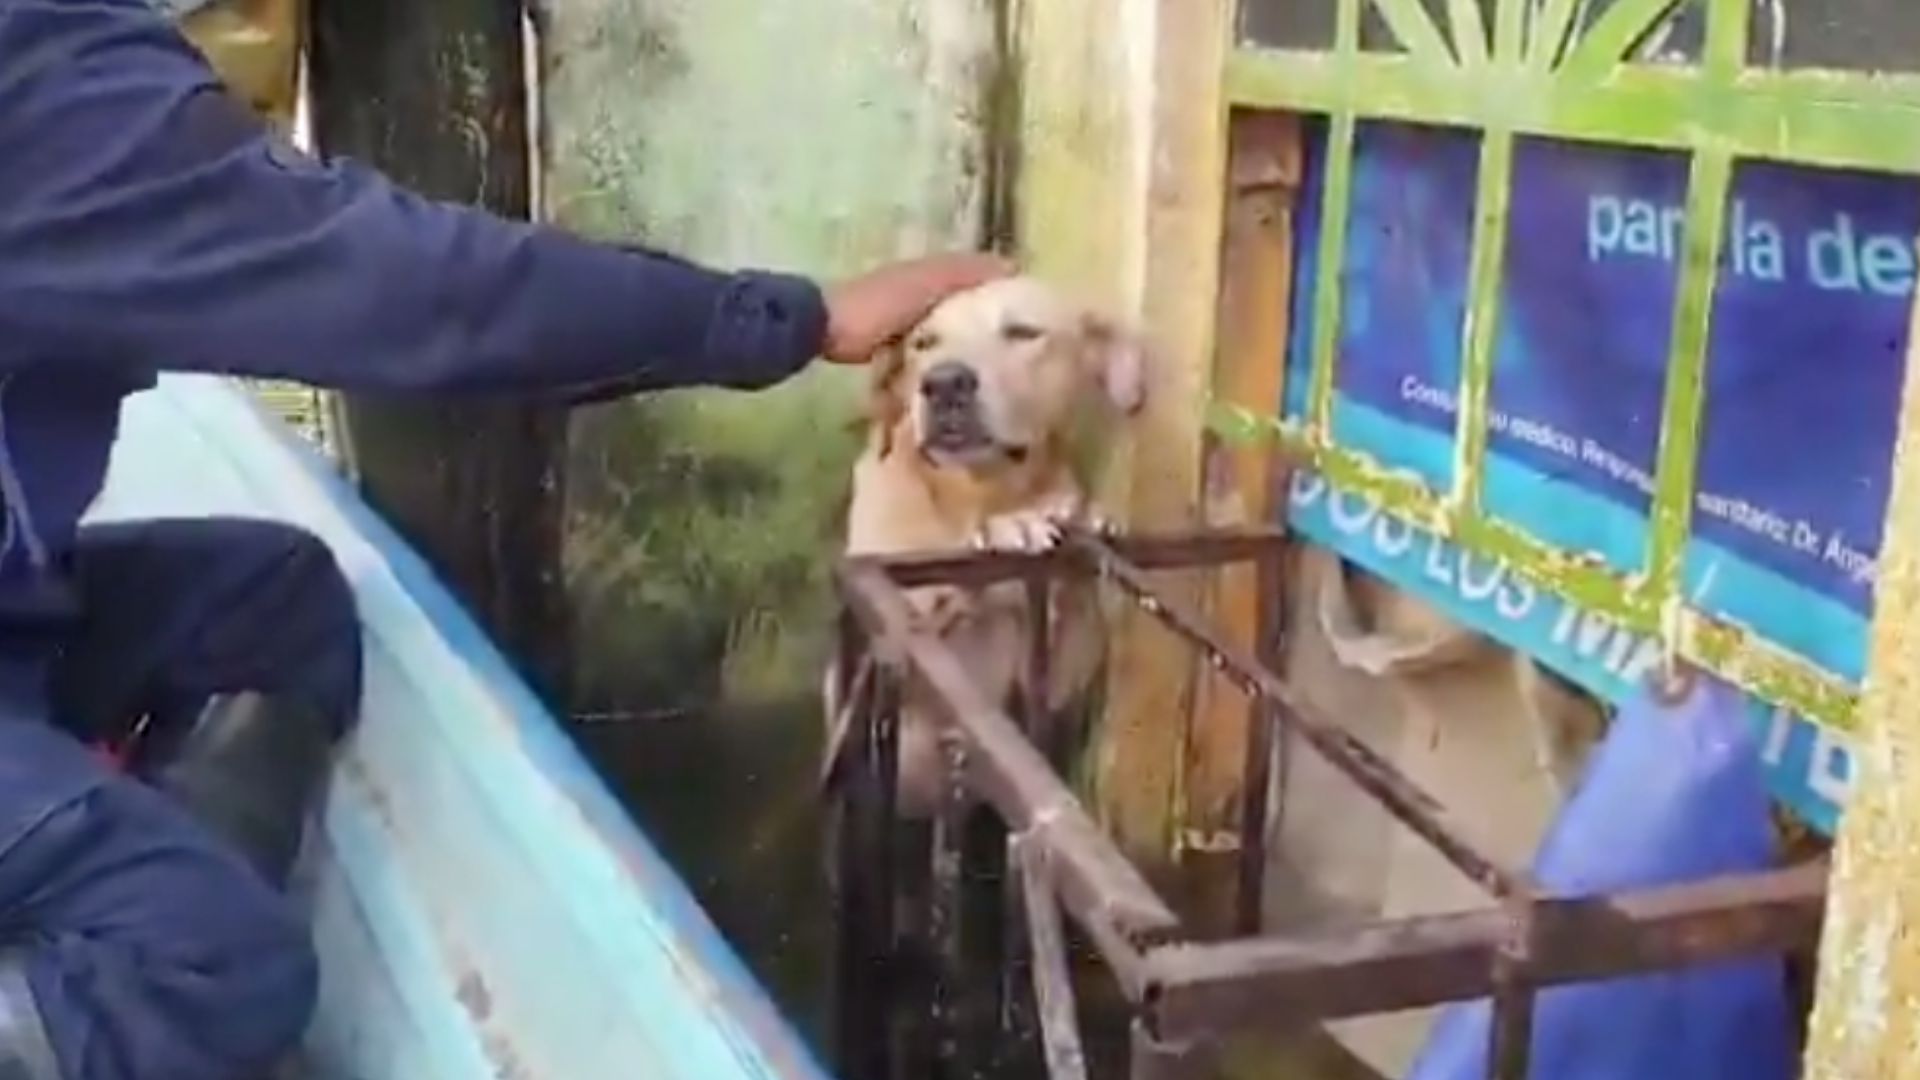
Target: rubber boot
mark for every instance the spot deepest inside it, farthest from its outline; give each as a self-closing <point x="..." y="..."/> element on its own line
<point x="248" y="770"/>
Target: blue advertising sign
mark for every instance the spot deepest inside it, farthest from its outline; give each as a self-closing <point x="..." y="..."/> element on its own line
<point x="1803" y="373"/>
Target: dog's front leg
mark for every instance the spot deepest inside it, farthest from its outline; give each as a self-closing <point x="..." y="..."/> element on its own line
<point x="938" y="610"/>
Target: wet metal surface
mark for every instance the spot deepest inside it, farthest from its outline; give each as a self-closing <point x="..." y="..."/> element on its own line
<point x="1395" y="964"/>
<point x="1187" y="996"/>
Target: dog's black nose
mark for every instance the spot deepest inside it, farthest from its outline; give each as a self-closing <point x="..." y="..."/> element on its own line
<point x="949" y="382"/>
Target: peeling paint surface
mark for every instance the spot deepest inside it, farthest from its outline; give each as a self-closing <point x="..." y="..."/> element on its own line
<point x="1866" y="1018"/>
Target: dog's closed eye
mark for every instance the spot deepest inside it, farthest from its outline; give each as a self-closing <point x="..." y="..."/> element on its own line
<point x="1018" y="331"/>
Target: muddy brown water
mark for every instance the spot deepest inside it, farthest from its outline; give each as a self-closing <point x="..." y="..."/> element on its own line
<point x="727" y="794"/>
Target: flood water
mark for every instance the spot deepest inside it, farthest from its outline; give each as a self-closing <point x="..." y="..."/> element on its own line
<point x="728" y="797"/>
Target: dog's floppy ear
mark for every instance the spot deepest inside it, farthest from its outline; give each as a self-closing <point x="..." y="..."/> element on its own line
<point x="1119" y="356"/>
<point x="886" y="393"/>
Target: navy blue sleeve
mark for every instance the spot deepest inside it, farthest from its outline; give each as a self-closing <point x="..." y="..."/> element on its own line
<point x="147" y="220"/>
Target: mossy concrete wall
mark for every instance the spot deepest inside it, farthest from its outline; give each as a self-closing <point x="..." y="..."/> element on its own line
<point x="824" y="136"/>
<point x="821" y="136"/>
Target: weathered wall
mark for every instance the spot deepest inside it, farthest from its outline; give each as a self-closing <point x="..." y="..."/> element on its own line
<point x="821" y="136"/>
<point x="1866" y="1019"/>
<point x="1086" y="102"/>
<point x="816" y="135"/>
<point x="1121" y="180"/>
<point x="825" y="135"/>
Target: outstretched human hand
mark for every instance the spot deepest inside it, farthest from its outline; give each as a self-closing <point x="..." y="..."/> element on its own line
<point x="867" y="312"/>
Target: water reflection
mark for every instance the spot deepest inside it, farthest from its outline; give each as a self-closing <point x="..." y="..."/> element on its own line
<point x="728" y="796"/>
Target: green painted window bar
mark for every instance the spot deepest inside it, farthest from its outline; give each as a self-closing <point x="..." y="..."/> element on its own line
<point x="1567" y="69"/>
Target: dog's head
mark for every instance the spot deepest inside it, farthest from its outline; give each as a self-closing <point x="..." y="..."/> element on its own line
<point x="1000" y="371"/>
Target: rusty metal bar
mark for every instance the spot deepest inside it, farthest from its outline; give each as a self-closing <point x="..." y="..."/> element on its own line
<point x="1020" y="1034"/>
<point x="1062" y="1051"/>
<point x="1510" y="1036"/>
<point x="864" y="873"/>
<point x="953" y="990"/>
<point x="1374" y="774"/>
<point x="1152" y="1057"/>
<point x="1203" y="990"/>
<point x="1180" y="551"/>
<point x="1098" y="886"/>
<point x="852" y="691"/>
<point x="1023" y="1037"/>
<point x="1190" y="995"/>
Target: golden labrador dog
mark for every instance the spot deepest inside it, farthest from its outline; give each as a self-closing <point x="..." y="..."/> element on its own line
<point x="974" y="422"/>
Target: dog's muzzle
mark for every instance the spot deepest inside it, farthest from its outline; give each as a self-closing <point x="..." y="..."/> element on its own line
<point x="950" y="395"/>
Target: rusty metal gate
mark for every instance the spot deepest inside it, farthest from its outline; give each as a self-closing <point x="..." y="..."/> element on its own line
<point x="988" y="989"/>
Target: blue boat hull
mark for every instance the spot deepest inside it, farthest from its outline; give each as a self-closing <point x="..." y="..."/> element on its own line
<point x="483" y="905"/>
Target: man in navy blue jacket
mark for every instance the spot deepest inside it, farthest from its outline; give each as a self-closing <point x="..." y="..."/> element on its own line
<point x="148" y="223"/>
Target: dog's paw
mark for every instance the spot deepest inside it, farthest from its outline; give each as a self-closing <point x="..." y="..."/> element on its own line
<point x="1099" y="523"/>
<point x="1026" y="530"/>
